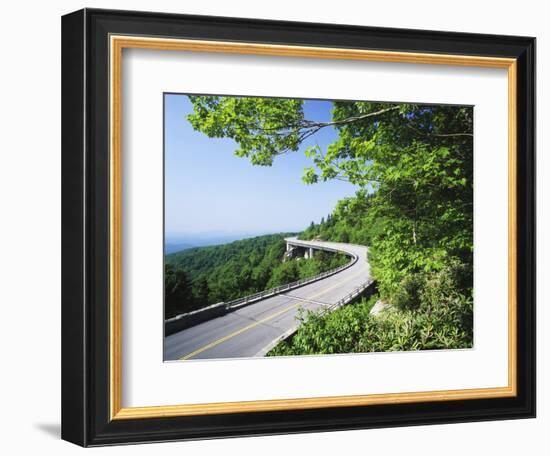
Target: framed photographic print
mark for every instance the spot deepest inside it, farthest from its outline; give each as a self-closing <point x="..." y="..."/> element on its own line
<point x="275" y="227"/>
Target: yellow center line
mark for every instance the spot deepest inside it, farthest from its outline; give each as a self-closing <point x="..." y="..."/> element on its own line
<point x="263" y="320"/>
<point x="240" y="331"/>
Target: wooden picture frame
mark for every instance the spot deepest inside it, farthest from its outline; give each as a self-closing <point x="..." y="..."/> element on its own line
<point x="92" y="45"/>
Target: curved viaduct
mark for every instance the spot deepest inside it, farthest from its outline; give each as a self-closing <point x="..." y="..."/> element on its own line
<point x="254" y="328"/>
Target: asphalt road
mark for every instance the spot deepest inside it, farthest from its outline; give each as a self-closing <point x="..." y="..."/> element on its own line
<point x="252" y="330"/>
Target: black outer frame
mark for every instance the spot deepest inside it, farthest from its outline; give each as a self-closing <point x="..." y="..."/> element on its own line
<point x="85" y="227"/>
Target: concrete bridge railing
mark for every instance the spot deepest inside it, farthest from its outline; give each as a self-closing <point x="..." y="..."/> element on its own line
<point x="193" y="318"/>
<point x="290" y="244"/>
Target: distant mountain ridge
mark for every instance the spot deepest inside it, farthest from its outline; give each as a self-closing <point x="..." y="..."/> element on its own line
<point x="179" y="243"/>
<point x="173" y="248"/>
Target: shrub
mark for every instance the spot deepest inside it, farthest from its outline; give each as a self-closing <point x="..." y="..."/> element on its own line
<point x="352" y="329"/>
<point x="337" y="332"/>
<point x="407" y="294"/>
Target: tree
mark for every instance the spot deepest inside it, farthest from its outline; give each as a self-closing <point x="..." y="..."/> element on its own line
<point x="201" y="291"/>
<point x="285" y="273"/>
<point x="178" y="298"/>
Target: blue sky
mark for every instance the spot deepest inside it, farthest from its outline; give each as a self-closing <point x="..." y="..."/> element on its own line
<point x="211" y="192"/>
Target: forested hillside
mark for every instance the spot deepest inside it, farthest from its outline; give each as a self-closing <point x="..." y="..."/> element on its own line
<point x="202" y="276"/>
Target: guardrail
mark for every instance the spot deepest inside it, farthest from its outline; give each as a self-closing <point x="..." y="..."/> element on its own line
<point x="350" y="296"/>
<point x="246" y="300"/>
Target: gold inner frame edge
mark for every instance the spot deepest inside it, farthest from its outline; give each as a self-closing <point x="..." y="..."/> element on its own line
<point x="116" y="46"/>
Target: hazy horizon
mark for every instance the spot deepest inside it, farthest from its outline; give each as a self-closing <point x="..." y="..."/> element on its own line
<point x="204" y="239"/>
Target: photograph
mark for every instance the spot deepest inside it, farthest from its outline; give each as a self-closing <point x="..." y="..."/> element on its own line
<point x="300" y="227"/>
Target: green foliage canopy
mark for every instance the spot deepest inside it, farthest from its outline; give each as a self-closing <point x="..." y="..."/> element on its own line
<point x="412" y="163"/>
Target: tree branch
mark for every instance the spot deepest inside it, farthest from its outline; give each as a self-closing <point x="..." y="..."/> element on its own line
<point x="445" y="135"/>
<point x="438" y="135"/>
<point x="351" y="119"/>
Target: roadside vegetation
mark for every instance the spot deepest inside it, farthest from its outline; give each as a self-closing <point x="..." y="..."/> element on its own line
<point x="413" y="167"/>
<point x="442" y="320"/>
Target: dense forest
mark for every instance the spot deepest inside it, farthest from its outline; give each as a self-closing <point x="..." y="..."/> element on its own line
<point x="413" y="167"/>
<point x="201" y="276"/>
